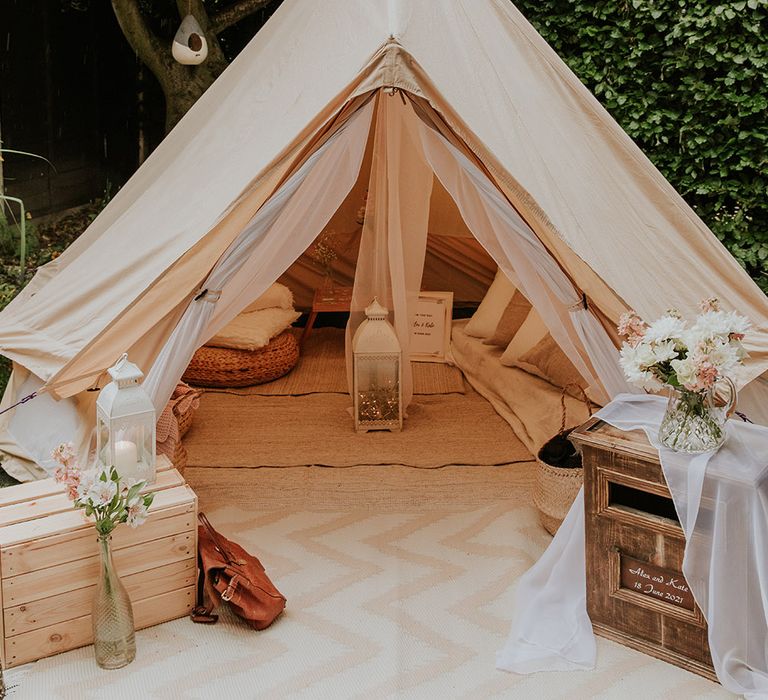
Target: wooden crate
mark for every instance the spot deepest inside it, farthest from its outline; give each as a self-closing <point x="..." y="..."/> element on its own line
<point x="49" y="564"/>
<point x="636" y="593"/>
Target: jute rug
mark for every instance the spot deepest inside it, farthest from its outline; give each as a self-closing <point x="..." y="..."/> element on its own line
<point x="391" y="487"/>
<point x="380" y="605"/>
<point x="255" y="431"/>
<point x="322" y="369"/>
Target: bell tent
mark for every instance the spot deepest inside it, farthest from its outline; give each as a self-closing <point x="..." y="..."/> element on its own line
<point x="461" y="124"/>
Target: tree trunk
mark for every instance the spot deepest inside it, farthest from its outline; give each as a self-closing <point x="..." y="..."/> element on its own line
<point x="183" y="88"/>
<point x="181" y="85"/>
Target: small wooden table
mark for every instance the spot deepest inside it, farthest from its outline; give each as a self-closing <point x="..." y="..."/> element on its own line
<point x="338" y="299"/>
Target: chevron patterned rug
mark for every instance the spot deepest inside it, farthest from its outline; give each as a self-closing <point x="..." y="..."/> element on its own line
<point x="380" y="604"/>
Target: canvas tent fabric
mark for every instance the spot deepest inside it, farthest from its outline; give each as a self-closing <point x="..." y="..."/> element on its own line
<point x="480" y="76"/>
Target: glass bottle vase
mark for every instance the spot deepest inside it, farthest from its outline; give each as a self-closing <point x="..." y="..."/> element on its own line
<point x="694" y="422"/>
<point x="114" y="638"/>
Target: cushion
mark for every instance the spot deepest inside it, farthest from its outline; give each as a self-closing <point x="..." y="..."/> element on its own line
<point x="251" y="331"/>
<point x="530" y="333"/>
<point x="278" y="295"/>
<point x="548" y="361"/>
<point x="511" y="320"/>
<point x="484" y="321"/>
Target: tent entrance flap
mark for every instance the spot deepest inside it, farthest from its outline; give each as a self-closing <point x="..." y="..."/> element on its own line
<point x="407" y="152"/>
<point x="274" y="237"/>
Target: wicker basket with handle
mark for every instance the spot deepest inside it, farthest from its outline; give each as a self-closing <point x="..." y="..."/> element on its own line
<point x="184" y="402"/>
<point x="556" y="487"/>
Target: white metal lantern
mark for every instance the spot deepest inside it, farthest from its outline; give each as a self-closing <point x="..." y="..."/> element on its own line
<point x="189" y="47"/>
<point x="125" y="424"/>
<point x="377" y="371"/>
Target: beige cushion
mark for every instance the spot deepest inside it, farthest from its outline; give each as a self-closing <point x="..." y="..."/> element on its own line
<point x="251" y="331"/>
<point x="530" y="333"/>
<point x="511" y="320"/>
<point x="548" y="361"/>
<point x="278" y="295"/>
<point x="484" y="321"/>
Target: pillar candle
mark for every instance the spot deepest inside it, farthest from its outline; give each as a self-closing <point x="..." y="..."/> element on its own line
<point x="126" y="458"/>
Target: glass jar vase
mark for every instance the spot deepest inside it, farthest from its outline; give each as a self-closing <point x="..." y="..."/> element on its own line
<point x="694" y="422"/>
<point x="114" y="638"/>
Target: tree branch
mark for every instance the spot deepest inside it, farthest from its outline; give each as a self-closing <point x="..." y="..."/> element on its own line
<point x="148" y="47"/>
<point x="231" y="15"/>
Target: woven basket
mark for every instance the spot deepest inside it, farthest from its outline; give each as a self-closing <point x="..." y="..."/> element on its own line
<point x="184" y="402"/>
<point x="179" y="456"/>
<point x="555" y="488"/>
<point x="225" y="367"/>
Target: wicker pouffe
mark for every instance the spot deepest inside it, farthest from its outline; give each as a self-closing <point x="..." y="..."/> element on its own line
<point x="559" y="474"/>
<point x="226" y="367"/>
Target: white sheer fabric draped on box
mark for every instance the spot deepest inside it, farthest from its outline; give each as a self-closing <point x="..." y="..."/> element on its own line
<point x="722" y="501"/>
<point x="276" y="235"/>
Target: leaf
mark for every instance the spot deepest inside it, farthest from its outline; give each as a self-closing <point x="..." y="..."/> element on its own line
<point x="133" y="491"/>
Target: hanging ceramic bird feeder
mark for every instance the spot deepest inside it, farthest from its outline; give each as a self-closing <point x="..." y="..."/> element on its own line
<point x="190" y="47"/>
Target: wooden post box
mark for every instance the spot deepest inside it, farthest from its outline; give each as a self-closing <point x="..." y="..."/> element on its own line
<point x="636" y="593"/>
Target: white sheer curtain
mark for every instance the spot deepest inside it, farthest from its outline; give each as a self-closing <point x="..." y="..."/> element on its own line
<point x="276" y="235"/>
<point x="393" y="243"/>
<point x="519" y="253"/>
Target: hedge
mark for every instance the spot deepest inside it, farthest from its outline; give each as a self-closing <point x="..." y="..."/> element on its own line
<point x="688" y="81"/>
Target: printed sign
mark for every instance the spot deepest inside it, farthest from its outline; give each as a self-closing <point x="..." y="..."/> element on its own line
<point x="431" y="330"/>
<point x="655" y="582"/>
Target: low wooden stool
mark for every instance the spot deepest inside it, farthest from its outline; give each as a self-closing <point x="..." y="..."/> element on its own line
<point x="636" y="593"/>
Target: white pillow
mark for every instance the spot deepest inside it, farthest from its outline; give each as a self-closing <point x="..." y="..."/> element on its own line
<point x="254" y="330"/>
<point x="530" y="333"/>
<point x="484" y="321"/>
<point x="278" y="295"/>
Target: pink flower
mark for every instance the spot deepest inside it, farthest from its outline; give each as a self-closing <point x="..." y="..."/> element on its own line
<point x="632" y="327"/>
<point x="65" y="454"/>
<point x="72" y="484"/>
<point x="707" y="374"/>
<point x="710" y="304"/>
<point x="68" y="472"/>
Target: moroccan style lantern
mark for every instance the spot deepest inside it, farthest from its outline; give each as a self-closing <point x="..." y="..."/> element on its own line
<point x="377" y="368"/>
<point x="125" y="424"/>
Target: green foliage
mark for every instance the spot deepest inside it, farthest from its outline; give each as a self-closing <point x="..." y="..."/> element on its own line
<point x="688" y="81"/>
<point x="10" y="239"/>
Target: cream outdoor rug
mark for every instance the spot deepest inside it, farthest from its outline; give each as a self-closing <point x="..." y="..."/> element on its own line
<point x="380" y="605"/>
<point x="253" y="431"/>
<point x="322" y="369"/>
